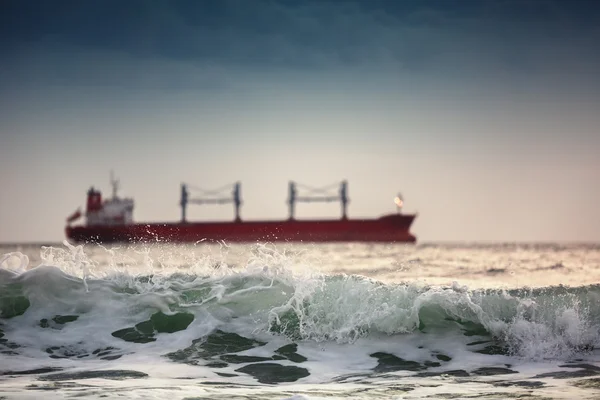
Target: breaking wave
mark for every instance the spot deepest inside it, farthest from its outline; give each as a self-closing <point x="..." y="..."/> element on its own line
<point x="67" y="307"/>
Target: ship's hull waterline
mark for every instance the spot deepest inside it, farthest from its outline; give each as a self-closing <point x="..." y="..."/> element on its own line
<point x="389" y="228"/>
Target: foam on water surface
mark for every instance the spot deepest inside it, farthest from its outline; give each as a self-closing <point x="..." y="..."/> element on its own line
<point x="209" y="321"/>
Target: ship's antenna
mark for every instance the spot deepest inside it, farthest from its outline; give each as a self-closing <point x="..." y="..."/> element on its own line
<point x="115" y="184"/>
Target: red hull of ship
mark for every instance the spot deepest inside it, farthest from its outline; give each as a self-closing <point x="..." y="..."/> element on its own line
<point x="389" y="228"/>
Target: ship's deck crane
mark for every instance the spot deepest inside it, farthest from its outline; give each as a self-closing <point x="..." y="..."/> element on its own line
<point x="322" y="194"/>
<point x="211" y="197"/>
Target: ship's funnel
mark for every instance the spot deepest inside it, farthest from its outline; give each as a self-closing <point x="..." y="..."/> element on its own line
<point x="94" y="200"/>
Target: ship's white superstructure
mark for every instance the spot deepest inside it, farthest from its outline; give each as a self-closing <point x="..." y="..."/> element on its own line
<point x="113" y="211"/>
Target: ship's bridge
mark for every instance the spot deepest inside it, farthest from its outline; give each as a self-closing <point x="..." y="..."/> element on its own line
<point x="114" y="211"/>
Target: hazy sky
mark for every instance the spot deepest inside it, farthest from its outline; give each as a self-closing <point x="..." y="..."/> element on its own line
<point x="484" y="114"/>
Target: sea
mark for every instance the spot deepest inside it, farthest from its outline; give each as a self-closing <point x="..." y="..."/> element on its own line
<point x="300" y="321"/>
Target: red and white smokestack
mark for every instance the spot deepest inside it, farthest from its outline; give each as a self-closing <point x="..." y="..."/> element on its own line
<point x="94" y="200"/>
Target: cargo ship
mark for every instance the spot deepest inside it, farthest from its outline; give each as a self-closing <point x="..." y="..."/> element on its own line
<point x="111" y="221"/>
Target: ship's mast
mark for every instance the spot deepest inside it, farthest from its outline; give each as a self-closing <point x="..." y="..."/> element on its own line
<point x="115" y="185"/>
<point x="321" y="195"/>
<point x="344" y="199"/>
<point x="183" y="202"/>
<point x="399" y="203"/>
<point x="215" y="196"/>
<point x="292" y="199"/>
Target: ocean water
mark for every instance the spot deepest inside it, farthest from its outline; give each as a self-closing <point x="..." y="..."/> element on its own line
<point x="288" y="321"/>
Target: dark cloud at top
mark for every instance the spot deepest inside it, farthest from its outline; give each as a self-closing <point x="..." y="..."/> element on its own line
<point x="309" y="33"/>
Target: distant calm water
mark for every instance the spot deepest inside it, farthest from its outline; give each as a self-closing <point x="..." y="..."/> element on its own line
<point x="210" y="321"/>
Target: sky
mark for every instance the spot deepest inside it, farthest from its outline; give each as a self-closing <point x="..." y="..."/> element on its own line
<point x="484" y="114"/>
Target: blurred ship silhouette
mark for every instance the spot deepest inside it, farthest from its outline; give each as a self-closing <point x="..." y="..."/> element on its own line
<point x="111" y="221"/>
